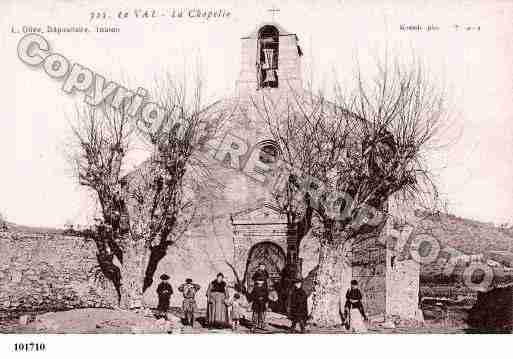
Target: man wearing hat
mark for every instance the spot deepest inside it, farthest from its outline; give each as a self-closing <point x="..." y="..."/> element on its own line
<point x="354" y="299"/>
<point x="164" y="291"/>
<point x="298" y="312"/>
<point x="189" y="290"/>
<point x="259" y="297"/>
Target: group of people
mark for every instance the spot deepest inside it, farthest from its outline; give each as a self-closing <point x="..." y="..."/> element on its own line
<point x="224" y="310"/>
<point x="188" y="289"/>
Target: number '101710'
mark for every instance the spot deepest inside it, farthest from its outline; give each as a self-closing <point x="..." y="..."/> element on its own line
<point x="29" y="347"/>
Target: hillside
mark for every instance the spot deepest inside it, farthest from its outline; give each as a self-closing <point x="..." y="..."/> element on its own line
<point x="32" y="230"/>
<point x="469" y="236"/>
<point x="475" y="240"/>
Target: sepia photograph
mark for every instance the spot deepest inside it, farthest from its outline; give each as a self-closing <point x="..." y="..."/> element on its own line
<point x="310" y="169"/>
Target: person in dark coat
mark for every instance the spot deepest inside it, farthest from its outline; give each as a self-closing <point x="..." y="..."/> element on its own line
<point x="258" y="298"/>
<point x="261" y="274"/>
<point x="354" y="299"/>
<point x="164" y="291"/>
<point x="217" y="295"/>
<point x="298" y="312"/>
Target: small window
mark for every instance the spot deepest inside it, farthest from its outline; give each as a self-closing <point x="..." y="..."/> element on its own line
<point x="268" y="154"/>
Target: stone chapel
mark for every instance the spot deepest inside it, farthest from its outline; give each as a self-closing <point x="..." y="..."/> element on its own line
<point x="238" y="226"/>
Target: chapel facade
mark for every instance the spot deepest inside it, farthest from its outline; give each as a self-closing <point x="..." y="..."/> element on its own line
<point x="238" y="225"/>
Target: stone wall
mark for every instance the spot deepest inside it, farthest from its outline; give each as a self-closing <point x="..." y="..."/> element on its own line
<point x="402" y="287"/>
<point x="369" y="269"/>
<point x="50" y="272"/>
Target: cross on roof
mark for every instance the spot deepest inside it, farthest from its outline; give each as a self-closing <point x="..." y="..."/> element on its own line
<point x="273" y="10"/>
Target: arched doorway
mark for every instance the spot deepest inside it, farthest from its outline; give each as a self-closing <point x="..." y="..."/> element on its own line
<point x="269" y="254"/>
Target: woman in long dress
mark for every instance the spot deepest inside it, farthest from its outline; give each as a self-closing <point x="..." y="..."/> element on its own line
<point x="217" y="295"/>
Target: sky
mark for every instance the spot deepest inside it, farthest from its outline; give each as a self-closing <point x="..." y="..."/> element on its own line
<point x="474" y="173"/>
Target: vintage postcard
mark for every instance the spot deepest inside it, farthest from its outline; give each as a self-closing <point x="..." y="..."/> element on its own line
<point x="271" y="167"/>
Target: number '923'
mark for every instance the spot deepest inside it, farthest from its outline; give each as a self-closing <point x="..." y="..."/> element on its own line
<point x="29" y="347"/>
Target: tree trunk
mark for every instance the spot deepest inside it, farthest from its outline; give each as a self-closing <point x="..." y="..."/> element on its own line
<point x="135" y="260"/>
<point x="332" y="281"/>
<point x="156" y="254"/>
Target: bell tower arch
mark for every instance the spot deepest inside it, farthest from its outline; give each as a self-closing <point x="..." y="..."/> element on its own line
<point x="268" y="47"/>
<point x="270" y="60"/>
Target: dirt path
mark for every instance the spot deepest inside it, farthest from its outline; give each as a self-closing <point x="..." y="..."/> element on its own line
<point x="104" y="321"/>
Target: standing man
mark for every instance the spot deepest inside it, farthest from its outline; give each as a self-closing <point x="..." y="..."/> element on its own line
<point x="298" y="306"/>
<point x="189" y="290"/>
<point x="354" y="299"/>
<point x="259" y="297"/>
<point x="164" y="291"/>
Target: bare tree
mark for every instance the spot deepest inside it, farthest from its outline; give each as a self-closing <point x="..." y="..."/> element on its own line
<point x="345" y="159"/>
<point x="147" y="210"/>
<point x="3" y="222"/>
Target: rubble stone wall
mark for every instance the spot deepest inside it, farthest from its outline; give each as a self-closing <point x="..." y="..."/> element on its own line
<point x="50" y="272"/>
<point x="402" y="287"/>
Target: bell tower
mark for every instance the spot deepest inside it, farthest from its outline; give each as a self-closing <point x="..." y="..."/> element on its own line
<point x="270" y="60"/>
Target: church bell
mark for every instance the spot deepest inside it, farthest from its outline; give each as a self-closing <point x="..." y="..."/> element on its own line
<point x="268" y="59"/>
<point x="270" y="76"/>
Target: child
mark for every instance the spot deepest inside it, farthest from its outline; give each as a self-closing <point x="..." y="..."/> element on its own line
<point x="236" y="311"/>
<point x="259" y="297"/>
<point x="189" y="290"/>
<point x="164" y="291"/>
<point x="354" y="299"/>
<point x="298" y="306"/>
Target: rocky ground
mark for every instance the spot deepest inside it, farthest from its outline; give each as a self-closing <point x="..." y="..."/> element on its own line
<point x="103" y="321"/>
